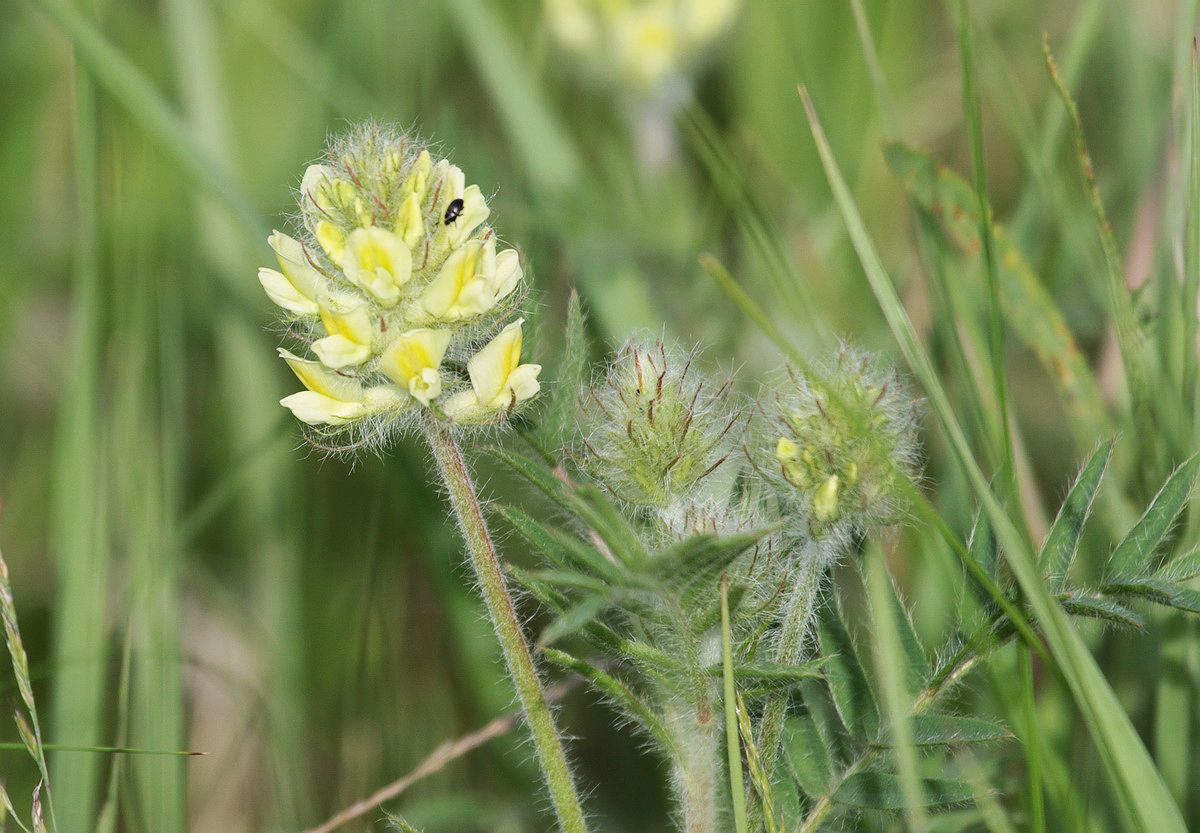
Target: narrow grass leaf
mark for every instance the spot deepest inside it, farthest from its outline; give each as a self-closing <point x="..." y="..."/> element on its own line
<point x="1134" y="555"/>
<point x="1062" y="542"/>
<point x="560" y="548"/>
<point x="737" y="789"/>
<point x="887" y="647"/>
<point x="1157" y="591"/>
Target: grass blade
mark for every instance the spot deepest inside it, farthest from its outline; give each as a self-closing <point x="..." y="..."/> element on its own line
<point x="737" y="789"/>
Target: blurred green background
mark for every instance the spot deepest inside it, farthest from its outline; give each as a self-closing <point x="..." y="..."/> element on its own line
<point x="191" y="576"/>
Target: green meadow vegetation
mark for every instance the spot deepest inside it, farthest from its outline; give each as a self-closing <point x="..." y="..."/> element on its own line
<point x="706" y="415"/>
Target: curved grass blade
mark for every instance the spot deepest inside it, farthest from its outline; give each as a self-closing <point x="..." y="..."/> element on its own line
<point x="1135" y="554"/>
<point x="1062" y="542"/>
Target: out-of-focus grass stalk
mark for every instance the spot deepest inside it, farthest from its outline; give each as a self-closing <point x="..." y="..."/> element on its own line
<point x="889" y="671"/>
<point x="560" y="782"/>
<point x="81" y="556"/>
<point x="1139" y="787"/>
<point x="733" y="747"/>
<point x="247" y="381"/>
<point x="1007" y="474"/>
<point x="551" y="159"/>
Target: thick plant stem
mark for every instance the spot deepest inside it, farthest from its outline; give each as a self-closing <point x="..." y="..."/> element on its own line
<point x="697" y="769"/>
<point x="538" y="717"/>
<point x="812" y="561"/>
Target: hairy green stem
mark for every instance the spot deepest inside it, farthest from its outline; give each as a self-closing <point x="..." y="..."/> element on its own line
<point x="538" y="717"/>
<point x="812" y="561"/>
<point x="696" y="770"/>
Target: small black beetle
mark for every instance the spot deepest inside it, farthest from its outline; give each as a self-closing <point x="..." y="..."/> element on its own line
<point x="454" y="210"/>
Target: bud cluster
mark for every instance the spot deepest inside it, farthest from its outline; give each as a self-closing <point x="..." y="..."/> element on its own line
<point x="839" y="441"/>
<point x="654" y="429"/>
<point x="645" y="43"/>
<point x="398" y="288"/>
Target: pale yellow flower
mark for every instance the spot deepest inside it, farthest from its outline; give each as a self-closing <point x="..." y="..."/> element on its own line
<point x="498" y="379"/>
<point x="351" y="331"/>
<point x="330" y="398"/>
<point x="377" y="261"/>
<point x="298" y="286"/>
<point x="472" y="281"/>
<point x="474" y="209"/>
<point x="412" y="361"/>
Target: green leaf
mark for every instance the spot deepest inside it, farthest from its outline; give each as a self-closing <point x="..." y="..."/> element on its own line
<point x="1095" y="607"/>
<point x="1181" y="568"/>
<point x="1158" y="591"/>
<point x="1062" y="542"/>
<point x="574" y="618"/>
<point x="951" y="730"/>
<point x="616" y="691"/>
<point x="764" y="677"/>
<point x="730" y="703"/>
<point x="700" y="559"/>
<point x="1133" y="556"/>
<point x="557" y="422"/>
<point x="916" y="665"/>
<point x="881" y="791"/>
<point x="847" y="681"/>
<point x="807" y="755"/>
<point x="560" y="548"/>
<point x="599" y="513"/>
<point x="534" y="473"/>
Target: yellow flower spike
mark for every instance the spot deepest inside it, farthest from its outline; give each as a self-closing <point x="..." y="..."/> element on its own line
<point x="332" y="240"/>
<point x="412" y="361"/>
<point x="498" y="379"/>
<point x="825" y="501"/>
<point x="351" y="332"/>
<point x="410" y="224"/>
<point x="377" y="261"/>
<point x="297" y="287"/>
<point x="648" y="44"/>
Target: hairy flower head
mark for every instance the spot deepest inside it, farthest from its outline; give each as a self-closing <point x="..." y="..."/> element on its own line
<point x="644" y="43"/>
<point x="838" y="441"/>
<point x="655" y="428"/>
<point x="398" y="288"/>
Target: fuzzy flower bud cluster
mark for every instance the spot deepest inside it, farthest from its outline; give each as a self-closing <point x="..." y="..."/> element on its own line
<point x="840" y="441"/>
<point x="645" y="43"/>
<point x="654" y="429"/>
<point x="400" y="291"/>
